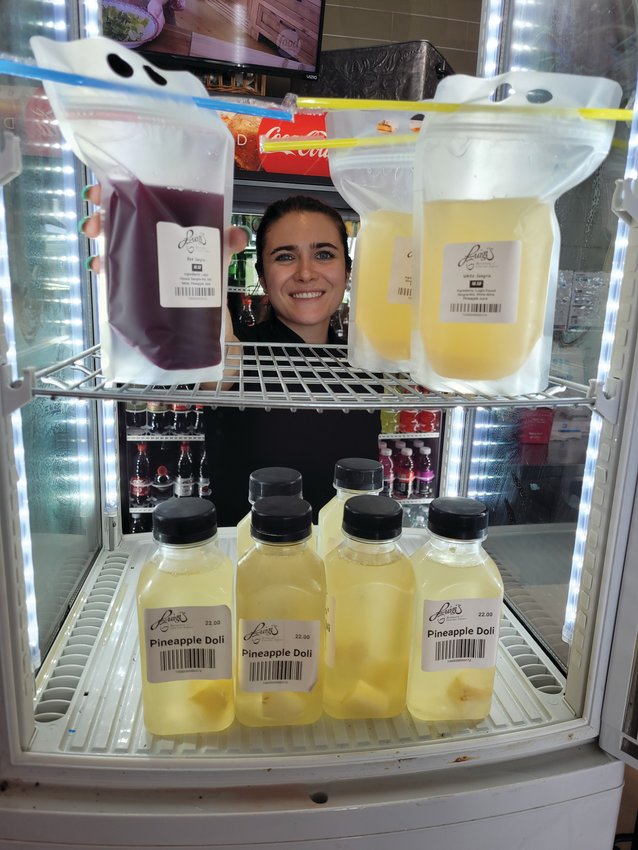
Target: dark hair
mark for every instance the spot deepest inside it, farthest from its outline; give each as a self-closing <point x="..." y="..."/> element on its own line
<point x="297" y="203"/>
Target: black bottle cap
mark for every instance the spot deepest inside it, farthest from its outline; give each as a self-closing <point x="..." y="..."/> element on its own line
<point x="274" y="481"/>
<point x="358" y="473"/>
<point x="372" y="518"/>
<point x="281" y="519"/>
<point x="458" y="518"/>
<point x="186" y="520"/>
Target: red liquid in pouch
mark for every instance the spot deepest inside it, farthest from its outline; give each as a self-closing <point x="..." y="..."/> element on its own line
<point x="164" y="265"/>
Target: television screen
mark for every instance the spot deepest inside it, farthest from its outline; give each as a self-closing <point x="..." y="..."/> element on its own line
<point x="267" y="36"/>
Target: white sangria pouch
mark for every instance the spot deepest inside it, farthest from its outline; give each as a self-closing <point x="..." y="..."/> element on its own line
<point x="487" y="239"/>
<point x="166" y="169"/>
<point x="377" y="182"/>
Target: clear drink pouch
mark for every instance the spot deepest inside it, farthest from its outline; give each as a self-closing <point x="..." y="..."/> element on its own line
<point x="166" y="170"/>
<point x="487" y="246"/>
<point x="378" y="184"/>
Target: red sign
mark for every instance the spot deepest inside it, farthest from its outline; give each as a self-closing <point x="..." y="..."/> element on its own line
<point x="247" y="131"/>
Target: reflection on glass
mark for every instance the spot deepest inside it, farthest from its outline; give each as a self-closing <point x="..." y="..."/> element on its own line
<point x="51" y="313"/>
<point x="527" y="467"/>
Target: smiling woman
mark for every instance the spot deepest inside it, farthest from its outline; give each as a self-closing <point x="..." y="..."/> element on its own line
<point x="303" y="265"/>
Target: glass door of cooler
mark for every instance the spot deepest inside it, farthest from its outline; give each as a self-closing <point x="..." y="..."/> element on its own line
<point x="45" y="288"/>
<point x="534" y="467"/>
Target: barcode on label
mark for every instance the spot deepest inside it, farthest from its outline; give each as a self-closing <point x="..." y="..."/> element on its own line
<point x="459" y="648"/>
<point x="187" y="659"/>
<point x="405" y="290"/>
<point x="475" y="308"/>
<point x="194" y="291"/>
<point x="275" y="671"/>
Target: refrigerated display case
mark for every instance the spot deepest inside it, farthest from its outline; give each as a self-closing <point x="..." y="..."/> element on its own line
<point x="78" y="769"/>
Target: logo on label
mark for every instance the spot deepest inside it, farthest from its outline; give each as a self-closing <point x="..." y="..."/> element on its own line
<point x="169" y="618"/>
<point x="191" y="240"/>
<point x="475" y="256"/>
<point x="446" y="610"/>
<point x="261" y="631"/>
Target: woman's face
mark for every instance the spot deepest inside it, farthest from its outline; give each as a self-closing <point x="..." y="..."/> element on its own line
<point x="304" y="272"/>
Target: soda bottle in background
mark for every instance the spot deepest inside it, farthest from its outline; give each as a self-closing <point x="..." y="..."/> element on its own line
<point x="184" y="481"/>
<point x="423" y="475"/>
<point x="404" y="475"/>
<point x="140" y="522"/>
<point x="162" y="485"/>
<point x="247" y="317"/>
<point x="389" y="421"/>
<point x="135" y="414"/>
<point x="408" y="422"/>
<point x="429" y="421"/>
<point x="180" y="414"/>
<point x="385" y="458"/>
<point x="196" y="419"/>
<point x="396" y="453"/>
<point x="157" y="414"/>
<point x="382" y="445"/>
<point x="140" y="481"/>
<point x="203" y="478"/>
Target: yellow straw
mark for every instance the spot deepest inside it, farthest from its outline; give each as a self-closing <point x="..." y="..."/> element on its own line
<point x="325" y="103"/>
<point x="301" y="143"/>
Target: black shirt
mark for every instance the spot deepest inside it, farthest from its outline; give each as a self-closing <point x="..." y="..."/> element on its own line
<point x="240" y="441"/>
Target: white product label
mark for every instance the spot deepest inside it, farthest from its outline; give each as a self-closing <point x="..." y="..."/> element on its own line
<point x="189" y="261"/>
<point x="400" y="284"/>
<point x="480" y="282"/>
<point x="191" y="642"/>
<point x="331" y="615"/>
<point x="278" y="655"/>
<point x="459" y="633"/>
<point x="183" y="487"/>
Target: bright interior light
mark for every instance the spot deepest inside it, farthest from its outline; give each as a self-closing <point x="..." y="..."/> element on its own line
<point x="613" y="301"/>
<point x="455" y="450"/>
<point x="18" y="447"/>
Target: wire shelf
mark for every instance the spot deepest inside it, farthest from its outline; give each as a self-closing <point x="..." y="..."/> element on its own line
<point x="273" y="375"/>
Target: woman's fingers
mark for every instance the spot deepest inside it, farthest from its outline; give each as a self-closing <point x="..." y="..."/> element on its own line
<point x="237" y="239"/>
<point x="91" y="227"/>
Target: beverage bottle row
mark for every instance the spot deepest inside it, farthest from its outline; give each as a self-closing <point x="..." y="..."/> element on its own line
<point x="407" y="469"/>
<point x="158" y="417"/>
<point x="362" y="633"/>
<point x="171" y="470"/>
<point x="410" y="421"/>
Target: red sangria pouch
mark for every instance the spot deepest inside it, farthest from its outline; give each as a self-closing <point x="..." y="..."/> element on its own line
<point x="166" y="169"/>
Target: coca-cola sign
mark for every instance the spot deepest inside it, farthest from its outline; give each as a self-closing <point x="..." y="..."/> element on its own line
<point x="247" y="131"/>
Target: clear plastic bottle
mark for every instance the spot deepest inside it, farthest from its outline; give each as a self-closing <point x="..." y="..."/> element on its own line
<point x="370" y="586"/>
<point x="140" y="481"/>
<point x="185" y="479"/>
<point x="459" y="594"/>
<point x="267" y="481"/>
<point x="423" y="475"/>
<point x="404" y="474"/>
<point x="184" y="605"/>
<point x="385" y="460"/>
<point x="353" y="476"/>
<point x="281" y="600"/>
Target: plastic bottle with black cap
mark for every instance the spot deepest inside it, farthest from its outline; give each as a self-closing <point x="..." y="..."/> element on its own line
<point x="281" y="598"/>
<point x="267" y="481"/>
<point x="353" y="476"/>
<point x="184" y="607"/>
<point x="459" y="594"/>
<point x="370" y="591"/>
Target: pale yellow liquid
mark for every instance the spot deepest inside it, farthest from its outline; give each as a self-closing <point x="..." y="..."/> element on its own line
<point x="485" y="350"/>
<point x="199" y="576"/>
<point x="245" y="541"/>
<point x="373" y="594"/>
<point x="280" y="582"/>
<point x="330" y="520"/>
<point x="460" y="693"/>
<point x="386" y="325"/>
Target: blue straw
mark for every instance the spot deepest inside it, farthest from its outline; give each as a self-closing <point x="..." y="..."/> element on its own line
<point x="15" y="68"/>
